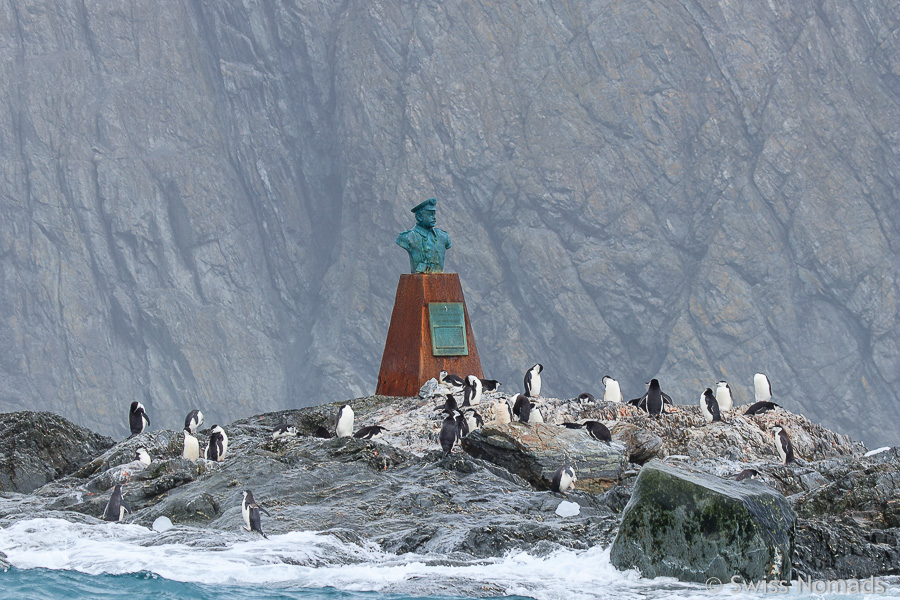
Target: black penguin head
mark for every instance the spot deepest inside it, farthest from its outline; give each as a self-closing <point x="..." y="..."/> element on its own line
<point x="248" y="497"/>
<point x="538" y="367"/>
<point x="605" y="378"/>
<point x="654" y="384"/>
<point x="136" y="406"/>
<point x="708" y="393"/>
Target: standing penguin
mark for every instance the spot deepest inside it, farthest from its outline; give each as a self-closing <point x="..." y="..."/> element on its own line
<point x="344" y="425"/>
<point x="472" y="391"/>
<point x="462" y="426"/>
<point x="762" y="389"/>
<point x="473" y="420"/>
<point x="137" y="418"/>
<point x="709" y="407"/>
<point x="564" y="480"/>
<point x="723" y="396"/>
<point x="502" y="412"/>
<point x="193" y="420"/>
<point x="783" y="445"/>
<point x="250" y="511"/>
<point x="217" y="445"/>
<point x="116" y="507"/>
<point x="653" y="400"/>
<point x="449" y="434"/>
<point x="612" y="391"/>
<point x="524" y="409"/>
<point x="191" y="447"/>
<point x="533" y="381"/>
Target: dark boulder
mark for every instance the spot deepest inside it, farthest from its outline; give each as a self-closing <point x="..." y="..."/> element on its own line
<point x="642" y="445"/>
<point x="38" y="447"/>
<point x="534" y="452"/>
<point x="694" y="526"/>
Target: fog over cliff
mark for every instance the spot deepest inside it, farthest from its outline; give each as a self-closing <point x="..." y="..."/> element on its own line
<point x="199" y="199"/>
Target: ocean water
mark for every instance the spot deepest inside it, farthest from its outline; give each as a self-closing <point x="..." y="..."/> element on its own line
<point x="55" y="559"/>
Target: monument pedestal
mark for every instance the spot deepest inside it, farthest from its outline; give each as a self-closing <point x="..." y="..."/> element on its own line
<point x="426" y="335"/>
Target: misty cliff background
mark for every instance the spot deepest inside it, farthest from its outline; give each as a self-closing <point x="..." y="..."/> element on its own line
<point x="199" y="200"/>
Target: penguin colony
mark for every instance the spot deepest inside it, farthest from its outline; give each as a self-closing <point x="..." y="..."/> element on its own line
<point x="459" y="420"/>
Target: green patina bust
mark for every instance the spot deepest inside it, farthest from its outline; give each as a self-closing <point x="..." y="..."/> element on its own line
<point x="425" y="243"/>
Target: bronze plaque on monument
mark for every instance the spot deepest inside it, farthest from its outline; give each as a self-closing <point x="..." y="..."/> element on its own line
<point x="448" y="329"/>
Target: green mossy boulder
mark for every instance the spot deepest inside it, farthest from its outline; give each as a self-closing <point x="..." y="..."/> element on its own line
<point x="693" y="526"/>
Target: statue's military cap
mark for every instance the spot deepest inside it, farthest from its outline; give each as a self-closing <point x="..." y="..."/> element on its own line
<point x="428" y="204"/>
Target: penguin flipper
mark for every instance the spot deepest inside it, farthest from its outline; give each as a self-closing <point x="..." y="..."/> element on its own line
<point x="667" y="399"/>
<point x="264" y="510"/>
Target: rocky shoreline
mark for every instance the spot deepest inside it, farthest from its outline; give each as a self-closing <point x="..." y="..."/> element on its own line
<point x="487" y="498"/>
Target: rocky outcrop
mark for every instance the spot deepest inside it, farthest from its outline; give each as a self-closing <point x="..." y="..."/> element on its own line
<point x="535" y="451"/>
<point x="397" y="491"/>
<point x="694" y="526"/>
<point x="36" y="448"/>
<point x="200" y="199"/>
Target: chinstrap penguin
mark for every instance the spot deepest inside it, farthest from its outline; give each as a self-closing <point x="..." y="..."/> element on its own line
<point x="653" y="400"/>
<point x="533" y="381"/>
<point x="142" y="455"/>
<point x="746" y="474"/>
<point x="250" y="511"/>
<point x="449" y="434"/>
<point x="502" y="412"/>
<point x="193" y="421"/>
<point x="369" y="432"/>
<point x="472" y="391"/>
<point x="217" y="445"/>
<point x="564" y="480"/>
<point x="762" y="388"/>
<point x="709" y="407"/>
<point x="283" y="430"/>
<point x="598" y="431"/>
<point x="191" y="447"/>
<point x="724" y="396"/>
<point x="344" y="425"/>
<point x="116" y="507"/>
<point x="525" y="407"/>
<point x="759" y="408"/>
<point x="612" y="391"/>
<point x="453" y="383"/>
<point x="783" y="445"/>
<point x="586" y="397"/>
<point x="137" y="418"/>
<point x="490" y="385"/>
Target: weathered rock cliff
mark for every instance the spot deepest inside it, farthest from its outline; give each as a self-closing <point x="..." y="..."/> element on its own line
<point x="199" y="199"/>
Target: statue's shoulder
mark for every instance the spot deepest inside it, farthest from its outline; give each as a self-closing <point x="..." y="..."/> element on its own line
<point x="403" y="238"/>
<point x="441" y="233"/>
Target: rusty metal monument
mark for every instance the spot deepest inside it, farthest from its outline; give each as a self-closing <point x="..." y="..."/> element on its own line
<point x="430" y="330"/>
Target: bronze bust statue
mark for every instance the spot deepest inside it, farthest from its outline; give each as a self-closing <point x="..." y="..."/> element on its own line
<point x="425" y="243"/>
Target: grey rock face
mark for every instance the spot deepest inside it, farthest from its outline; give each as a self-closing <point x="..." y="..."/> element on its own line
<point x="694" y="526"/>
<point x="38" y="447"/>
<point x="535" y="452"/>
<point x="200" y="199"/>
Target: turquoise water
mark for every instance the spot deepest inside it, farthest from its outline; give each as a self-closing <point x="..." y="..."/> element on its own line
<point x="46" y="584"/>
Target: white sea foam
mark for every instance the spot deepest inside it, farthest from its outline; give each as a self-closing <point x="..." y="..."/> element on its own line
<point x="311" y="560"/>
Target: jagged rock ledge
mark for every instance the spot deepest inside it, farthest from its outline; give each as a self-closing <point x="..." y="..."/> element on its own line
<point x="400" y="494"/>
